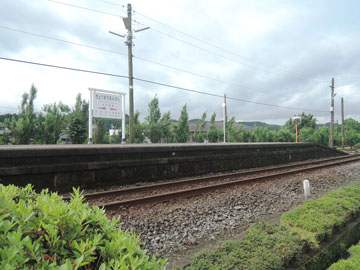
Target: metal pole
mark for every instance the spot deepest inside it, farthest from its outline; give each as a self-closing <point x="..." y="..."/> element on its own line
<point x="131" y="83"/>
<point x="224" y="116"/>
<point x="342" y="123"/>
<point x="90" y="117"/>
<point x="297" y="133"/>
<point x="123" y="119"/>
<point x="331" y="143"/>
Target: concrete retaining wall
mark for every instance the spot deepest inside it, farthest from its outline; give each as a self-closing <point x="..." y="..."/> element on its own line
<point x="59" y="167"/>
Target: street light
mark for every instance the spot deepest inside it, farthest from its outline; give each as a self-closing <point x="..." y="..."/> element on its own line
<point x="224" y="113"/>
<point x="296" y="124"/>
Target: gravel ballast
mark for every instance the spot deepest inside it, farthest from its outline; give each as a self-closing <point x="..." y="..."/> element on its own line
<point x="179" y="228"/>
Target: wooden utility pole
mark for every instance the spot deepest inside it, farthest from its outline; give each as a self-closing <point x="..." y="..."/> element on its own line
<point x="331" y="139"/>
<point x="342" y="123"/>
<point x="129" y="43"/>
<point x="225" y="116"/>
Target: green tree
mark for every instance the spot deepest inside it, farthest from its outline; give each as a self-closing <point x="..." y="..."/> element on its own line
<point x="182" y="132"/>
<point x="167" y="128"/>
<point x="262" y="134"/>
<point x="352" y="123"/>
<point x="307" y="120"/>
<point x="351" y="136"/>
<point x="139" y="129"/>
<point x="77" y="130"/>
<point x="5" y="138"/>
<point x="53" y="123"/>
<point x="322" y="135"/>
<point x="199" y="134"/>
<point x="24" y="129"/>
<point x="242" y="135"/>
<point x="78" y="121"/>
<point x="213" y="132"/>
<point x="231" y="131"/>
<point x="154" y="128"/>
<point x="284" y="135"/>
<point x="306" y="134"/>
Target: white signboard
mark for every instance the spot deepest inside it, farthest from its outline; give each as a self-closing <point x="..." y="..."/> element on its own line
<point x="106" y="105"/>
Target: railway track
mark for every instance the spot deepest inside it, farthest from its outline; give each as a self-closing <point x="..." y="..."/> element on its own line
<point x="196" y="186"/>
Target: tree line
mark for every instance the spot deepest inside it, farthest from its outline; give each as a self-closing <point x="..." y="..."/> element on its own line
<point x="57" y="119"/>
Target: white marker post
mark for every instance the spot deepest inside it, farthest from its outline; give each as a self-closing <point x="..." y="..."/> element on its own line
<point x="306" y="189"/>
<point x="106" y="104"/>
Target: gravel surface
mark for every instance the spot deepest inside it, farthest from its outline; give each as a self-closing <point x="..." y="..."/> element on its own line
<point x="179" y="228"/>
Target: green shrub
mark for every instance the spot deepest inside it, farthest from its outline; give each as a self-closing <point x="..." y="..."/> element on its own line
<point x="41" y="231"/>
<point x="264" y="247"/>
<point x="353" y="263"/>
<point x="316" y="220"/>
<point x="277" y="246"/>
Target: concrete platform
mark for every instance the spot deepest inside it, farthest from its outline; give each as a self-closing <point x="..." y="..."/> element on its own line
<point x="59" y="167"/>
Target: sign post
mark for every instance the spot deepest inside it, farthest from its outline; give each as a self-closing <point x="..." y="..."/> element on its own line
<point x="106" y="104"/>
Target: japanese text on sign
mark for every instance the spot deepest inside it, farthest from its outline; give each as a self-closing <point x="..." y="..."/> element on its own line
<point x="106" y="105"/>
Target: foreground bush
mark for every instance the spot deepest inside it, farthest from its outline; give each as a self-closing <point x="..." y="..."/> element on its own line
<point x="41" y="231"/>
<point x="276" y="246"/>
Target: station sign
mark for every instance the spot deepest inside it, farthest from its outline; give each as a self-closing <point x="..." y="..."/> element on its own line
<point x="106" y="105"/>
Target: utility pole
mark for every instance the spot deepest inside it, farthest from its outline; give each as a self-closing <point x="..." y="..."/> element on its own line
<point x="331" y="139"/>
<point x="225" y="116"/>
<point x="342" y="123"/>
<point x="129" y="43"/>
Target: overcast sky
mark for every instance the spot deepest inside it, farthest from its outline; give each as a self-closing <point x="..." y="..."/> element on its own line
<point x="276" y="52"/>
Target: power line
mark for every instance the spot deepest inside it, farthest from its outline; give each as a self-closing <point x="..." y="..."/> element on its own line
<point x="162" y="33"/>
<point x="62" y="67"/>
<point x="62" y="40"/>
<point x="198" y="39"/>
<point x="202" y="49"/>
<point x="175" y="38"/>
<point x="111" y="3"/>
<point x="157" y="83"/>
<point x="136" y="57"/>
<point x="88" y="9"/>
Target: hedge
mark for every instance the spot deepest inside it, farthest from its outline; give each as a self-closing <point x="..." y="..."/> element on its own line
<point x="41" y="231"/>
<point x="278" y="246"/>
<point x="353" y="263"/>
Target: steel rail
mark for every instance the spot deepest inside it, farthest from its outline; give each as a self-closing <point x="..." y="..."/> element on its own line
<point x="316" y="164"/>
<point x="202" y="179"/>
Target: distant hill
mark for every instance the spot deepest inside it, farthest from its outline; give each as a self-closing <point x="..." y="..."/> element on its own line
<point x="256" y="124"/>
<point x="193" y="120"/>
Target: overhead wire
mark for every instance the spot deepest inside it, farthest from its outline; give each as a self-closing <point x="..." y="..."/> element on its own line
<point x="111" y="3"/>
<point x="156" y="83"/>
<point x="202" y="49"/>
<point x="62" y="40"/>
<point x="175" y="38"/>
<point x="198" y="39"/>
<point x="84" y="8"/>
<point x="164" y="34"/>
<point x="189" y="35"/>
<point x="134" y="56"/>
